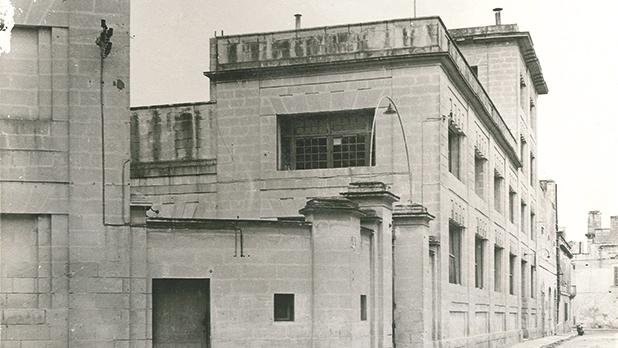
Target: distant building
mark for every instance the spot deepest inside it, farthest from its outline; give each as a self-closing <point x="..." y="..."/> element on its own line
<point x="595" y="274"/>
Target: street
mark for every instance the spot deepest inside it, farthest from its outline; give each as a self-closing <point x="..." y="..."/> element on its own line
<point x="594" y="339"/>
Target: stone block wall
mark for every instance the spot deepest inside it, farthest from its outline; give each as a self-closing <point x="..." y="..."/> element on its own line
<point x="56" y="186"/>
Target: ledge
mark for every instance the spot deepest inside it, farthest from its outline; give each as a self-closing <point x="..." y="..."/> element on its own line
<point x="173" y="168"/>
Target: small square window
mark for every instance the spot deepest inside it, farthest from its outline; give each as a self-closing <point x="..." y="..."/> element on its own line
<point x="284" y="307"/>
<point x="363" y="307"/>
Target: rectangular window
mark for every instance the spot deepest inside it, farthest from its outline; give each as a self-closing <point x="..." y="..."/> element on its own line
<point x="479" y="175"/>
<point x="284" y="307"/>
<point x="497" y="268"/>
<point x="532" y="169"/>
<point x="325" y="140"/>
<point x="363" y="307"/>
<point x="523" y="279"/>
<point x="566" y="312"/>
<point x="532" y="275"/>
<point x="512" y="198"/>
<point x="454" y="248"/>
<point x="498" y="189"/>
<point x="532" y="225"/>
<point x="523" y="149"/>
<point x="523" y="93"/>
<point x="475" y="70"/>
<point x="454" y="153"/>
<point x="478" y="262"/>
<point x="615" y="276"/>
<point x="522" y="217"/>
<point x="512" y="274"/>
<point x="532" y="115"/>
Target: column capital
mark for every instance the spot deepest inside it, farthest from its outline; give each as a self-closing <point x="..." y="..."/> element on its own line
<point x="370" y="192"/>
<point x="331" y="205"/>
<point x="413" y="213"/>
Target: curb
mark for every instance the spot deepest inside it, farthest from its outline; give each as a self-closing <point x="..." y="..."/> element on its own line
<point x="559" y="342"/>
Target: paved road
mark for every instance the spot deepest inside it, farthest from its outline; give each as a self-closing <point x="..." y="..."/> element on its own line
<point x="594" y="339"/>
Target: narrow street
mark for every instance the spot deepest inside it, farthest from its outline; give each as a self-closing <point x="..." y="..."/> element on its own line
<point x="594" y="339"/>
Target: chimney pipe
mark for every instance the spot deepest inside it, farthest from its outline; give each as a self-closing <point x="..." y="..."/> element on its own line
<point x="497" y="11"/>
<point x="298" y="15"/>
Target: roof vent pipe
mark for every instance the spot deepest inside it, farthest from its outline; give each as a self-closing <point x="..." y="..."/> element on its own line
<point x="298" y="15"/>
<point x="497" y="11"/>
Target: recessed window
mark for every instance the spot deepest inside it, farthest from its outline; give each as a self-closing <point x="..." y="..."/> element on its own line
<point x="454" y="251"/>
<point x="532" y="169"/>
<point x="512" y="199"/>
<point x="532" y="275"/>
<point x="523" y="150"/>
<point x="325" y="140"/>
<point x="475" y="70"/>
<point x="523" y="278"/>
<point x="532" y="114"/>
<point x="497" y="268"/>
<point x="363" y="307"/>
<point x="284" y="307"/>
<point x="454" y="152"/>
<point x="522" y="217"/>
<point x="512" y="259"/>
<point x="532" y="225"/>
<point x="523" y="93"/>
<point x="479" y="175"/>
<point x="478" y="262"/>
<point x="498" y="189"/>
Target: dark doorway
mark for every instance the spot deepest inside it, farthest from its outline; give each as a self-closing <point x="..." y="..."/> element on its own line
<point x="181" y="313"/>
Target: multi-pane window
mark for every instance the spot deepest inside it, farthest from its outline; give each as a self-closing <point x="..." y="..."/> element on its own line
<point x="512" y="274"/>
<point x="478" y="262"/>
<point x="480" y="164"/>
<point x="284" y="307"/>
<point x="454" y="253"/>
<point x="498" y="189"/>
<point x="454" y="153"/>
<point x="325" y="140"/>
<point x="497" y="268"/>
<point x="512" y="198"/>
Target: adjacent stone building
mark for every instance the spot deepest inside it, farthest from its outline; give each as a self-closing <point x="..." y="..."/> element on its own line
<point x="595" y="274"/>
<point x="64" y="194"/>
<point x="364" y="185"/>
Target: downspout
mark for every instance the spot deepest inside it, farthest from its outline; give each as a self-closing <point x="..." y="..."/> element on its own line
<point x="558" y="270"/>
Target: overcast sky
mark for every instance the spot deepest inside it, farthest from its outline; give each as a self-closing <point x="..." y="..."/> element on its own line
<point x="574" y="40"/>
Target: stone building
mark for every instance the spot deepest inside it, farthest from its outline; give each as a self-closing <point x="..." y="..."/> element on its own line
<point x="595" y="274"/>
<point x="63" y="191"/>
<point x="291" y="118"/>
<point x="270" y="215"/>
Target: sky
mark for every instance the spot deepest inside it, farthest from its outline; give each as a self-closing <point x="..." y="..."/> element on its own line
<point x="574" y="40"/>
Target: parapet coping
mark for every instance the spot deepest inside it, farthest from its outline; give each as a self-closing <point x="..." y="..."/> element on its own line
<point x="159" y="106"/>
<point x="219" y="224"/>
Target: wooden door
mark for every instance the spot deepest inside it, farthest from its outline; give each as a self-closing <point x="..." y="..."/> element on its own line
<point x="181" y="313"/>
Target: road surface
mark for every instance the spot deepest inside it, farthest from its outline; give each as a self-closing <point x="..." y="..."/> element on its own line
<point x="594" y="339"/>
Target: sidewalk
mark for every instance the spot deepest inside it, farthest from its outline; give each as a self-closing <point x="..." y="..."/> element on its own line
<point x="545" y="342"/>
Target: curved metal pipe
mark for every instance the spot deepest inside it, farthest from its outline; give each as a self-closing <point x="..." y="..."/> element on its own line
<point x="403" y="134"/>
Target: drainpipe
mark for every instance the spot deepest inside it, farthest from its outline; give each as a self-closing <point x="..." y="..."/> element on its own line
<point x="558" y="270"/>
